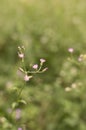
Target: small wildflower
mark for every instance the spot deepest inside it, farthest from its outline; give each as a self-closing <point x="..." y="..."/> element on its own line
<point x="35" y="66"/>
<point x="71" y="50"/>
<point x="21" y="55"/>
<point x="19" y="128"/>
<point x="27" y="78"/>
<point x="42" y="60"/>
<point x="79" y="59"/>
<point x="18" y="114"/>
<point x="44" y="69"/>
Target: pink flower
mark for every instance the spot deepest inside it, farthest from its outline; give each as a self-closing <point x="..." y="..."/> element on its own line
<point x="21" y="55"/>
<point x="19" y="128"/>
<point x="35" y="66"/>
<point x="27" y="78"/>
<point x="79" y="59"/>
<point x="71" y="50"/>
<point x="18" y="114"/>
<point x="42" y="60"/>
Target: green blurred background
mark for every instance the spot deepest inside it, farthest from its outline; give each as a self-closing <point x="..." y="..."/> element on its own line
<point x="47" y="28"/>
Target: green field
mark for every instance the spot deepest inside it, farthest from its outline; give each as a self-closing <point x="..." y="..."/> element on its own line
<point x="55" y="99"/>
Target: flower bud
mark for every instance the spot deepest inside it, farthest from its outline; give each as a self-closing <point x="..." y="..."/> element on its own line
<point x="35" y="66"/>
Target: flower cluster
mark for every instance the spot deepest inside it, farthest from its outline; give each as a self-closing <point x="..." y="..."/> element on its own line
<point x="81" y="58"/>
<point x="36" y="68"/>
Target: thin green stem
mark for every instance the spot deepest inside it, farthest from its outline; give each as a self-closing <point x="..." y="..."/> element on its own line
<point x="40" y="66"/>
<point x="19" y="94"/>
<point x="34" y="72"/>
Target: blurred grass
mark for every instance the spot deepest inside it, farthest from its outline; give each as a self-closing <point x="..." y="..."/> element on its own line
<point x="47" y="29"/>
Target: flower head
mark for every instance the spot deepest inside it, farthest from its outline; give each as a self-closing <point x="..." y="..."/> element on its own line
<point x="19" y="128"/>
<point x="42" y="60"/>
<point x="18" y="113"/>
<point x="35" y="66"/>
<point x="27" y="78"/>
<point x="71" y="50"/>
<point x="79" y="59"/>
<point x="21" y="55"/>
